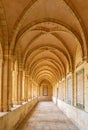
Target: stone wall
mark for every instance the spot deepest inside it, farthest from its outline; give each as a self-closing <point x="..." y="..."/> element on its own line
<point x="78" y="116"/>
<point x="11" y="120"/>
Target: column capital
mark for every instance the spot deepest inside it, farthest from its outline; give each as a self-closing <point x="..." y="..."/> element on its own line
<point x="1" y="62"/>
<point x="26" y="73"/>
<point x="85" y="58"/>
<point x="7" y="56"/>
<point x="20" y="66"/>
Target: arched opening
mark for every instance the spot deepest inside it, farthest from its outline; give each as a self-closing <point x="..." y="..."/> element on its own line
<point x="45" y="90"/>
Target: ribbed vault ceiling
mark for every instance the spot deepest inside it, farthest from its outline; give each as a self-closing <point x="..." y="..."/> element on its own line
<point x="48" y="33"/>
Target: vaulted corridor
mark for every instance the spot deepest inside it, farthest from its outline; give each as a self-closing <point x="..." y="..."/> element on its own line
<point x="46" y="116"/>
<point x="44" y="57"/>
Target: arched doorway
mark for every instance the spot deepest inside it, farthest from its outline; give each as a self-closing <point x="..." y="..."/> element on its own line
<point x="45" y="91"/>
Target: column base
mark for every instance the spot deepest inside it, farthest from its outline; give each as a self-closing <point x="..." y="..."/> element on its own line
<point x="1" y="108"/>
<point x="6" y="108"/>
<point x="19" y="103"/>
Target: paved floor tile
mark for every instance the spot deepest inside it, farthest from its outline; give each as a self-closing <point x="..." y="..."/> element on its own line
<point x="46" y="116"/>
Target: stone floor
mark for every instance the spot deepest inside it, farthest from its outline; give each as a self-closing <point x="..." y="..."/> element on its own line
<point x="46" y="116"/>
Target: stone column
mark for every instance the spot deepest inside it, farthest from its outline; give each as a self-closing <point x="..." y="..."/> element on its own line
<point x="19" y="84"/>
<point x="7" y="83"/>
<point x="1" y="85"/>
<point x="26" y="87"/>
<point x="86" y="86"/>
<point x="23" y="83"/>
<point x="30" y="89"/>
<point x="36" y="90"/>
<point x="38" y="93"/>
<point x="15" y="88"/>
<point x="56" y="91"/>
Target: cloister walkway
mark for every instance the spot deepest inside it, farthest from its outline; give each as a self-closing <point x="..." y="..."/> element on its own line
<point x="46" y="116"/>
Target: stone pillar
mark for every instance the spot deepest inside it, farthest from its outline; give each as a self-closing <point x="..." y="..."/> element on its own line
<point x="86" y="87"/>
<point x="38" y="93"/>
<point x="26" y="87"/>
<point x="75" y="88"/>
<point x="7" y="83"/>
<point x="34" y="90"/>
<point x="15" y="88"/>
<point x="19" y="84"/>
<point x="23" y="85"/>
<point x="30" y="89"/>
<point x="57" y="94"/>
<point x="1" y="85"/>
<point x="37" y="90"/>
